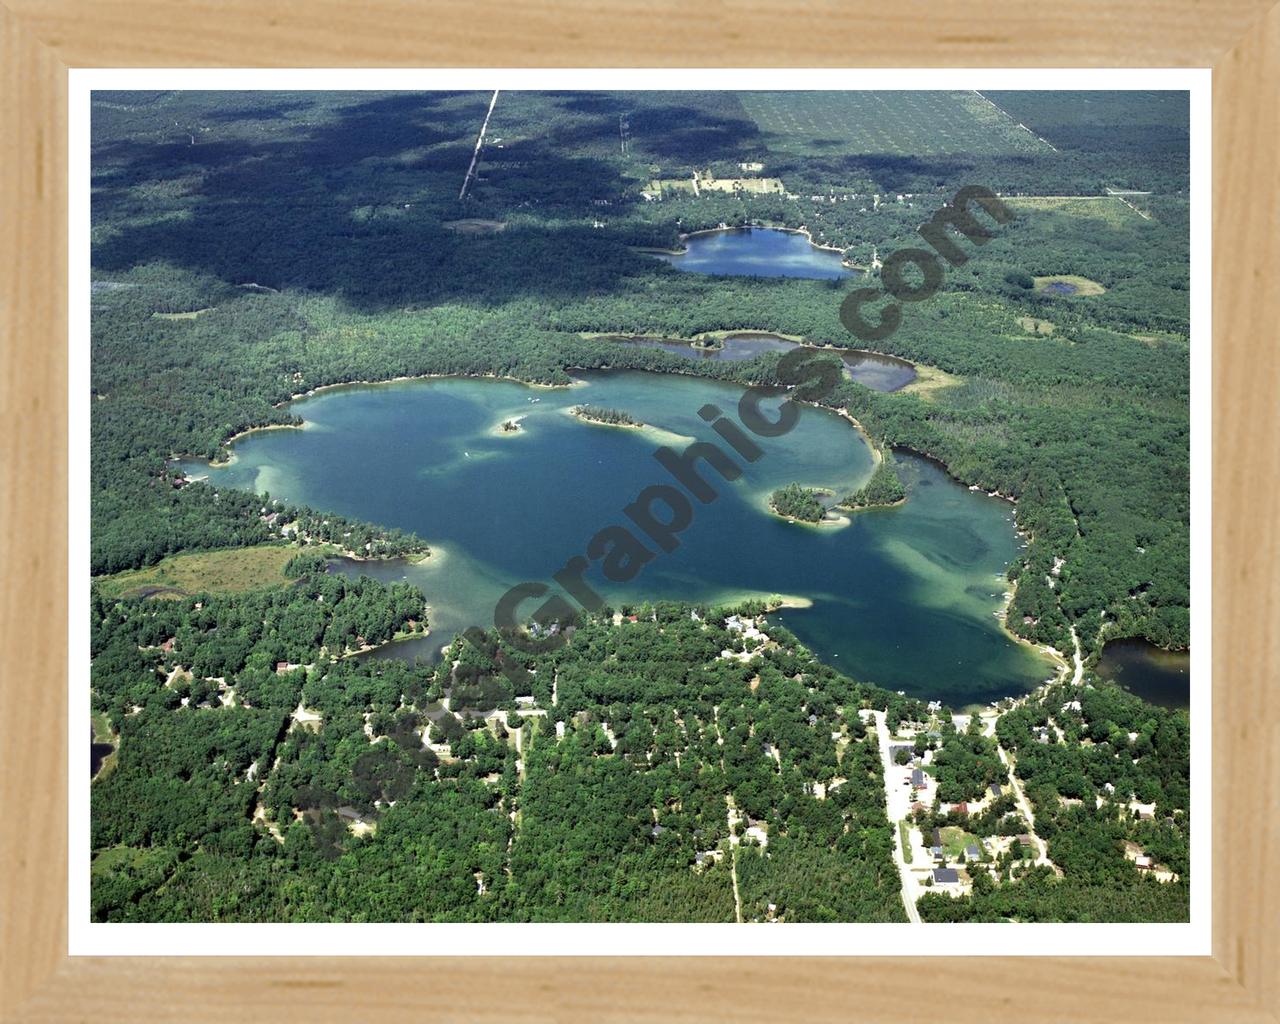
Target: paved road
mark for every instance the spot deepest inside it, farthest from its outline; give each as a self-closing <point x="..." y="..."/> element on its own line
<point x="898" y="805"/>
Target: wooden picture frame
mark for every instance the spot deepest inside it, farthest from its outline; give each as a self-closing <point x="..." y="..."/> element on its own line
<point x="42" y="39"/>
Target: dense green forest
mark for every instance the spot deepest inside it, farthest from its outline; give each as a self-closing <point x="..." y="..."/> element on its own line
<point x="388" y="794"/>
<point x="884" y="487"/>
<point x="797" y="502"/>
<point x="252" y="247"/>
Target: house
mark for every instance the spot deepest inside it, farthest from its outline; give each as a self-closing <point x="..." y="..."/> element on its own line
<point x="971" y="852"/>
<point x="960" y="808"/>
<point x="1143" y="863"/>
<point x="937" y="853"/>
<point x="935" y="837"/>
<point x="1025" y="840"/>
<point x="917" y="777"/>
<point x="945" y="876"/>
<point x="994" y="790"/>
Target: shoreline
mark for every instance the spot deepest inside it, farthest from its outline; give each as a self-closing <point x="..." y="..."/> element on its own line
<point x="932" y="378"/>
<point x="836" y="521"/>
<point x="404" y="379"/>
<point x="876" y="454"/>
<point x="766" y="226"/>
<point x="499" y="428"/>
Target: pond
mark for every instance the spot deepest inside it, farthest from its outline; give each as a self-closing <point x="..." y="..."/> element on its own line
<point x="1156" y="675"/>
<point x="97" y="754"/>
<point x="876" y="371"/>
<point x="904" y="597"/>
<point x="757" y="252"/>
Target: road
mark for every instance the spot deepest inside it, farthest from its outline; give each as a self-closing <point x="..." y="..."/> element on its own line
<point x="466" y="182"/>
<point x="1024" y="805"/>
<point x="897" y="805"/>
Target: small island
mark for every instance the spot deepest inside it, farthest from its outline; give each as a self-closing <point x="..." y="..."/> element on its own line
<point x="800" y="503"/>
<point x="608" y="417"/>
<point x="881" y="491"/>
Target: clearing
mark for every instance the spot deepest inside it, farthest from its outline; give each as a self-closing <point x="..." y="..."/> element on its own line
<point x="1033" y="326"/>
<point x="917" y="124"/>
<point x="227" y="571"/>
<point x="1067" y="286"/>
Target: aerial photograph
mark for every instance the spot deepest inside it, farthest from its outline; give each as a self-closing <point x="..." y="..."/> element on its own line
<point x="639" y="506"/>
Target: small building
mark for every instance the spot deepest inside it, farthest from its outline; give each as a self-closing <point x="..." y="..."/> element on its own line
<point x="945" y="876"/>
<point x="917" y="777"/>
<point x="935" y="837"/>
<point x="937" y="853"/>
<point x="971" y="852"/>
<point x="960" y="808"/>
<point x="1025" y="840"/>
<point x="994" y="790"/>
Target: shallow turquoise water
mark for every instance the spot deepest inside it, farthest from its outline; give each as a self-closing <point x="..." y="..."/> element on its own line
<point x="903" y="597"/>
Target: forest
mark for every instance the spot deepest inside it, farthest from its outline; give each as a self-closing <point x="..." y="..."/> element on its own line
<point x="387" y="796"/>
<point x="1105" y="773"/>
<point x="884" y="487"/>
<point x="251" y="248"/>
<point x="797" y="502"/>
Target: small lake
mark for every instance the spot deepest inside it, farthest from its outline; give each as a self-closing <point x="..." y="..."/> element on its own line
<point x="757" y="252"/>
<point x="97" y="754"/>
<point x="876" y="371"/>
<point x="904" y="597"/>
<point x="1157" y="676"/>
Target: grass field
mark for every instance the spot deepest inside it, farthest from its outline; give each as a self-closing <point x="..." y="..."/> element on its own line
<point x="232" y="570"/>
<point x="954" y="840"/>
<point x="903" y="123"/>
<point x="930" y="380"/>
<point x="1032" y="325"/>
<point x="1107" y="209"/>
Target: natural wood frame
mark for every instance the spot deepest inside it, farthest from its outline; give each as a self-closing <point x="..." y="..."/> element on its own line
<point x="41" y="39"/>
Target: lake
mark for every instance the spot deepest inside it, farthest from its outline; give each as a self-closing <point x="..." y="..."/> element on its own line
<point x="876" y="371"/>
<point x="757" y="252"/>
<point x="1157" y="676"/>
<point x="903" y="597"/>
